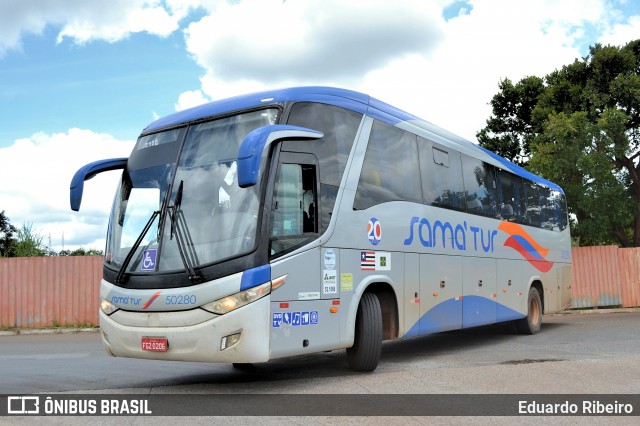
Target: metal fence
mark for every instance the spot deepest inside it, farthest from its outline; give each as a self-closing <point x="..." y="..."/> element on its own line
<point x="49" y="291"/>
<point x="606" y="276"/>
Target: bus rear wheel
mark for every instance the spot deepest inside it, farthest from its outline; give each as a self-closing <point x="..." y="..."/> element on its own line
<point x="364" y="355"/>
<point x="532" y="322"/>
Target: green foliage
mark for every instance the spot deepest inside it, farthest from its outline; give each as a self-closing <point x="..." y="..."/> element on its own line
<point x="7" y="240"/>
<point x="580" y="127"/>
<point x="81" y="252"/>
<point x="510" y="131"/>
<point x="29" y="243"/>
<point x="26" y="242"/>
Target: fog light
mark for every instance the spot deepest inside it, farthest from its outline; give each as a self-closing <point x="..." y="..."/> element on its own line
<point x="228" y="341"/>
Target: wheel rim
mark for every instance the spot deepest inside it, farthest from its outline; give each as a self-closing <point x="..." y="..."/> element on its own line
<point x="534" y="310"/>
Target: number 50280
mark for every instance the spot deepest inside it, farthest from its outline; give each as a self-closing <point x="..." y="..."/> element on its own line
<point x="181" y="299"/>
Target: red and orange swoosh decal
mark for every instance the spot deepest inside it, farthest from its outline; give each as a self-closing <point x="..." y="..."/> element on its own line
<point x="523" y="243"/>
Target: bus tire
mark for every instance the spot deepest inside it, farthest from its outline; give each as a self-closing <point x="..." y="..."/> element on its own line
<point x="364" y="355"/>
<point x="532" y="322"/>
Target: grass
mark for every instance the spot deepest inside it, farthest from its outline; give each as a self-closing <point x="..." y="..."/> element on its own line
<point x="54" y="325"/>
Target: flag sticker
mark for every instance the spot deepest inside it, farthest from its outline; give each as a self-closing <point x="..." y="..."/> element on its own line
<point x="375" y="261"/>
<point x="368" y="260"/>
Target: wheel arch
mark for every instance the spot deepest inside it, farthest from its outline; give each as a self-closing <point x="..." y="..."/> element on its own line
<point x="537" y="284"/>
<point x="383" y="288"/>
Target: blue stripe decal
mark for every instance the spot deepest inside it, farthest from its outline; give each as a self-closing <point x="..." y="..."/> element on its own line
<point x="507" y="314"/>
<point x="477" y="311"/>
<point x="449" y="315"/>
<point x="255" y="277"/>
<point x="528" y="247"/>
<point x="442" y="317"/>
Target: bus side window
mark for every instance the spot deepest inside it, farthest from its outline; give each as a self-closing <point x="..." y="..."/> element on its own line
<point x="294" y="214"/>
<point x="510" y="197"/>
<point x="390" y="171"/>
<point x="339" y="126"/>
<point x="480" y="187"/>
<point x="559" y="208"/>
<point x="441" y="175"/>
<point x="534" y="204"/>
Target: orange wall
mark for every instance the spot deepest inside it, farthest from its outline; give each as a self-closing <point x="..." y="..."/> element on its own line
<point x="606" y="276"/>
<point x="46" y="291"/>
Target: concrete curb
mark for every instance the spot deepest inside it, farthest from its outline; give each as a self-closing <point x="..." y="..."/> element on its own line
<point x="41" y="331"/>
<point x="598" y="311"/>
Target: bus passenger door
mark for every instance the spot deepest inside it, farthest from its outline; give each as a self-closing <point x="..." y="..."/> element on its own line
<point x="301" y="321"/>
<point x="479" y="298"/>
<point x="440" y="293"/>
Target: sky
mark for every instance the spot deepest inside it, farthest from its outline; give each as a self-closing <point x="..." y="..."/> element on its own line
<point x="80" y="79"/>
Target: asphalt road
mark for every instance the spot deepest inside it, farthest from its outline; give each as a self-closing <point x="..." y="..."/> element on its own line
<point x="574" y="354"/>
<point x="577" y="353"/>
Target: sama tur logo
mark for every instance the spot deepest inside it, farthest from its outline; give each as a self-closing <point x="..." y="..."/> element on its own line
<point x="151" y="300"/>
<point x="374" y="231"/>
<point x="524" y="244"/>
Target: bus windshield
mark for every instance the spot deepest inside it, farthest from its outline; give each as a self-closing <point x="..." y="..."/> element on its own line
<point x="180" y="206"/>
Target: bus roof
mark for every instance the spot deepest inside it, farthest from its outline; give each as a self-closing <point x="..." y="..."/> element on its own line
<point x="348" y="99"/>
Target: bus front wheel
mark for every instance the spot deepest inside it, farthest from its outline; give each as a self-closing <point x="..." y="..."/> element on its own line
<point x="364" y="355"/>
<point x="532" y="322"/>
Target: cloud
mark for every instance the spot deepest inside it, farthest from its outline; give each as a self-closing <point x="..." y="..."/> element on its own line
<point x="329" y="40"/>
<point x="622" y="33"/>
<point x="35" y="178"/>
<point x="83" y="21"/>
<point x="405" y="53"/>
<point x="503" y="38"/>
<point x="190" y="99"/>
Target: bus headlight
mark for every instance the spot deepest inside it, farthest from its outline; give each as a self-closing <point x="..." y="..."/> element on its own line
<point x="235" y="301"/>
<point x="107" y="307"/>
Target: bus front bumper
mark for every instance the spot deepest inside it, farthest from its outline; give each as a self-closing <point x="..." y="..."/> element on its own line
<point x="191" y="335"/>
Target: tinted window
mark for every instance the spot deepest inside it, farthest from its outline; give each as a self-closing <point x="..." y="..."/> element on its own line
<point x="156" y="149"/>
<point x="511" y="197"/>
<point x="480" y="187"/>
<point x="534" y="201"/>
<point x="339" y="127"/>
<point x="560" y="209"/>
<point x="441" y="175"/>
<point x="391" y="170"/>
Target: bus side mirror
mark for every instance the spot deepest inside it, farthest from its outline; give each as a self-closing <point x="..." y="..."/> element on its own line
<point x="252" y="149"/>
<point x="86" y="173"/>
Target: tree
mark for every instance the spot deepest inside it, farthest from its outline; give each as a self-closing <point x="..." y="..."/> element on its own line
<point x="81" y="252"/>
<point x="510" y="132"/>
<point x="7" y="239"/>
<point x="580" y="127"/>
<point x="29" y="243"/>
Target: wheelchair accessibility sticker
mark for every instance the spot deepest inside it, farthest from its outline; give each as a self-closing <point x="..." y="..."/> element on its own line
<point x="149" y="260"/>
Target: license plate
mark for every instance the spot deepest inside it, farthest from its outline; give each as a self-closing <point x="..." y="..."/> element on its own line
<point x="154" y="344"/>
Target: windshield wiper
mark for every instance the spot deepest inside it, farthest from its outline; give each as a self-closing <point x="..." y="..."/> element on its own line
<point x="127" y="260"/>
<point x="180" y="229"/>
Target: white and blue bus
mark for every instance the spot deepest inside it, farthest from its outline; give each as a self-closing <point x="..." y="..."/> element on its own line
<point x="313" y="219"/>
